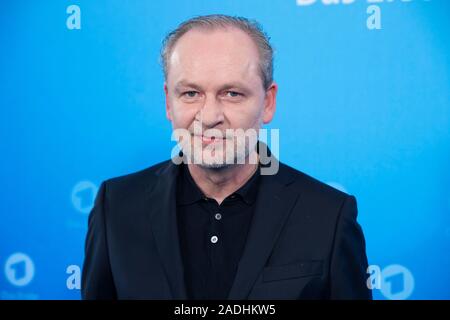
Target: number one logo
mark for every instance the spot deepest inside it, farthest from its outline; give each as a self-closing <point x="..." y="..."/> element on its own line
<point x="19" y="269"/>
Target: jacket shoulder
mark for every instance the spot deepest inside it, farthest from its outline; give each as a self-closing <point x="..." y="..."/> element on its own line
<point x="314" y="188"/>
<point x="139" y="179"/>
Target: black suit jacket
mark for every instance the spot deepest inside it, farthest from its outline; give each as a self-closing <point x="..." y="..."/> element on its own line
<point x="304" y="241"/>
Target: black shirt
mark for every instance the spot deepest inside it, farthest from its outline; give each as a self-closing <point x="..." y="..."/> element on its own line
<point x="212" y="236"/>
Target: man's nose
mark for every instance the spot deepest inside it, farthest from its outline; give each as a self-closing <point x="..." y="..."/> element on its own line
<point x="211" y="113"/>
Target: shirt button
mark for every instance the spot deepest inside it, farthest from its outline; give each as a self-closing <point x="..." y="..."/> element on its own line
<point x="218" y="216"/>
<point x="214" y="239"/>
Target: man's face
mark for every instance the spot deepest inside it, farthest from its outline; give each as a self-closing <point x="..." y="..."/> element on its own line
<point x="214" y="82"/>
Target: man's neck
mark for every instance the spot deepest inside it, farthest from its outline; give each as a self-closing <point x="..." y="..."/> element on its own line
<point x="219" y="183"/>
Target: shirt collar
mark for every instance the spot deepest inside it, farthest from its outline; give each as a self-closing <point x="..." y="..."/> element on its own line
<point x="189" y="192"/>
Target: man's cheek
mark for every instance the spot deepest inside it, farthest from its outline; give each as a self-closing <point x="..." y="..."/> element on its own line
<point x="185" y="117"/>
<point x="180" y="120"/>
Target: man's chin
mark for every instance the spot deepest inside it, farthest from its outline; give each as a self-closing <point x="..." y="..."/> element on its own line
<point x="218" y="161"/>
<point x="210" y="162"/>
<point x="214" y="166"/>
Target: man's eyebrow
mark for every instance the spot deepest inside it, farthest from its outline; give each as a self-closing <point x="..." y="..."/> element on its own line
<point x="183" y="83"/>
<point x="187" y="84"/>
<point x="236" y="84"/>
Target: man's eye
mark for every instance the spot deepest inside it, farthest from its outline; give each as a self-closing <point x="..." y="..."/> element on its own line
<point x="190" y="94"/>
<point x="233" y="94"/>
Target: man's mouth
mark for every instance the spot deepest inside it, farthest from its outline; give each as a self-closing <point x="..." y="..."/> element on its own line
<point x="210" y="139"/>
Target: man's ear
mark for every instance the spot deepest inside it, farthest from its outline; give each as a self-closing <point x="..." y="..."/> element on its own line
<point x="270" y="103"/>
<point x="168" y="109"/>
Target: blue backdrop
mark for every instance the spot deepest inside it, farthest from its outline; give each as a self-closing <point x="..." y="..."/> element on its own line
<point x="363" y="105"/>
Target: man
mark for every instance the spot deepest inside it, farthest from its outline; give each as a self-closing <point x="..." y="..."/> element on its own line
<point x="210" y="223"/>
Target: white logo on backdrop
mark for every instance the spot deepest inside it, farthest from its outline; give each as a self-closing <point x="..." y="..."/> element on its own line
<point x="373" y="21"/>
<point x="19" y="269"/>
<point x="74" y="279"/>
<point x="73" y="21"/>
<point x="83" y="196"/>
<point x="395" y="282"/>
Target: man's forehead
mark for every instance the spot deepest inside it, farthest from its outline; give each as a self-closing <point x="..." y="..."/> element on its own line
<point x="215" y="78"/>
<point x="230" y="51"/>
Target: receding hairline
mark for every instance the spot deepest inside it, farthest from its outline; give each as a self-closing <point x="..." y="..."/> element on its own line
<point x="211" y="29"/>
<point x="251" y="28"/>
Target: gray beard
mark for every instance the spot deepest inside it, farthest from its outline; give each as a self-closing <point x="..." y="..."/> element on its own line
<point x="217" y="166"/>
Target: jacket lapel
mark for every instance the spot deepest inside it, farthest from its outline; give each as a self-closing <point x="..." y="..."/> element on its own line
<point x="274" y="203"/>
<point x="165" y="229"/>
